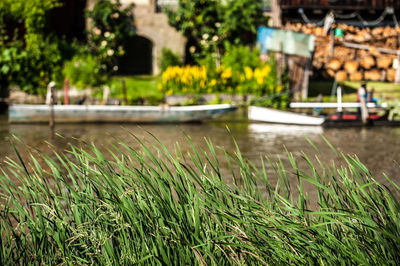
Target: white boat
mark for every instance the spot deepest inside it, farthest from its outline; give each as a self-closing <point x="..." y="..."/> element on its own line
<point x="106" y="113"/>
<point x="269" y="115"/>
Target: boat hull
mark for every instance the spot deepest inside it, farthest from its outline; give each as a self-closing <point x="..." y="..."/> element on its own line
<point x="269" y="115"/>
<point x="116" y="114"/>
<point x="352" y="119"/>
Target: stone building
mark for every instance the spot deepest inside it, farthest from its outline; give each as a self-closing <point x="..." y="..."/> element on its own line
<point x="152" y="34"/>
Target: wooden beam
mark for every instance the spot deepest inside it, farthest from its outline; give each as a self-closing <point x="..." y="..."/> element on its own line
<point x="366" y="47"/>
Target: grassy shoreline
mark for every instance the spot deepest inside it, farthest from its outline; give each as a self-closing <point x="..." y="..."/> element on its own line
<point x="153" y="206"/>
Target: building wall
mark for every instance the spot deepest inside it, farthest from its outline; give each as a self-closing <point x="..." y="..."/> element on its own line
<point x="154" y="26"/>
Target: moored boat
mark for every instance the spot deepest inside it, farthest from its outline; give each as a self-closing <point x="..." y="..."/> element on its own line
<point x="269" y="115"/>
<point x="354" y="119"/>
<point x="120" y="114"/>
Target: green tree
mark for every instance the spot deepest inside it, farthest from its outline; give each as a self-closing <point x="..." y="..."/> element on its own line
<point x="27" y="58"/>
<point x="210" y="23"/>
<point x="110" y="26"/>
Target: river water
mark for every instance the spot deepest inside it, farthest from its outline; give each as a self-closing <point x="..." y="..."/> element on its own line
<point x="378" y="148"/>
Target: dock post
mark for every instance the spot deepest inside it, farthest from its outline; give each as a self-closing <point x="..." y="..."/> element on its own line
<point x="364" y="110"/>
<point x="124" y="92"/>
<point x="339" y="101"/>
<point x="397" y="76"/>
<point x="66" y="93"/>
<point x="50" y="100"/>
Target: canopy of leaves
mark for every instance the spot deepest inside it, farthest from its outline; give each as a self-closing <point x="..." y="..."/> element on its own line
<point x="27" y="57"/>
<point x="212" y="22"/>
<point x="110" y="27"/>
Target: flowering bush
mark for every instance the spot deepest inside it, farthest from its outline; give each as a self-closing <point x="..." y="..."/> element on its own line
<point x="110" y="25"/>
<point x="197" y="79"/>
<point x="210" y="23"/>
<point x="184" y="80"/>
<point x="29" y="56"/>
<point x="169" y="58"/>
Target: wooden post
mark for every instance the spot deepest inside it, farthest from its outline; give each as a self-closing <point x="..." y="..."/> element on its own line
<point x="364" y="110"/>
<point x="51" y="99"/>
<point x="106" y="94"/>
<point x="125" y="92"/>
<point x="276" y="14"/>
<point x="397" y="77"/>
<point x="339" y="99"/>
<point x="332" y="43"/>
<point x="304" y="91"/>
<point x="66" y="89"/>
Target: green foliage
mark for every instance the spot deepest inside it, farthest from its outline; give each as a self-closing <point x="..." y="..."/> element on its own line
<point x="238" y="57"/>
<point x="240" y="20"/>
<point x="169" y="58"/>
<point x="209" y="23"/>
<point x="270" y="96"/>
<point x="140" y="89"/>
<point x="151" y="206"/>
<point x="209" y="62"/>
<point x="84" y="71"/>
<point x="110" y="26"/>
<point x="241" y="72"/>
<point x="32" y="62"/>
<point x="394" y="110"/>
<point x="30" y="69"/>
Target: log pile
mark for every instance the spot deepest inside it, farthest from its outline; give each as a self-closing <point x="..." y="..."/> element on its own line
<point x="369" y="63"/>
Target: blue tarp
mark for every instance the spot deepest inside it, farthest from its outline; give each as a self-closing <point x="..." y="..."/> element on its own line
<point x="289" y="42"/>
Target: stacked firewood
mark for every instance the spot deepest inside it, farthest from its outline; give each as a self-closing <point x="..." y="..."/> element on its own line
<point x="370" y="57"/>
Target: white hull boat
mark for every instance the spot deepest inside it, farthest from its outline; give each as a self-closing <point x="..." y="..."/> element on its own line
<point x="106" y="113"/>
<point x="269" y="115"/>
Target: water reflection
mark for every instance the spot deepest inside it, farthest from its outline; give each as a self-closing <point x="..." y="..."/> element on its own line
<point x="378" y="148"/>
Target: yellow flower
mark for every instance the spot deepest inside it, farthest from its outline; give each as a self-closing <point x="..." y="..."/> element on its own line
<point x="267" y="69"/>
<point x="227" y="73"/>
<point x="213" y="82"/>
<point x="248" y="73"/>
<point x="259" y="75"/>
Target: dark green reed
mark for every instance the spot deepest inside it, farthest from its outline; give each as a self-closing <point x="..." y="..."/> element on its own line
<point x="149" y="206"/>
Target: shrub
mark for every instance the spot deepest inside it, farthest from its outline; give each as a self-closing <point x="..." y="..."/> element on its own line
<point x="198" y="79"/>
<point x="184" y="80"/>
<point x="241" y="72"/>
<point x="169" y="58"/>
<point x="28" y="58"/>
<point x="238" y="57"/>
<point x="110" y="27"/>
<point x="84" y="71"/>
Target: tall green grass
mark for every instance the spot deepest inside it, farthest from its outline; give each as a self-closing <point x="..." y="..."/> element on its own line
<point x="156" y="207"/>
